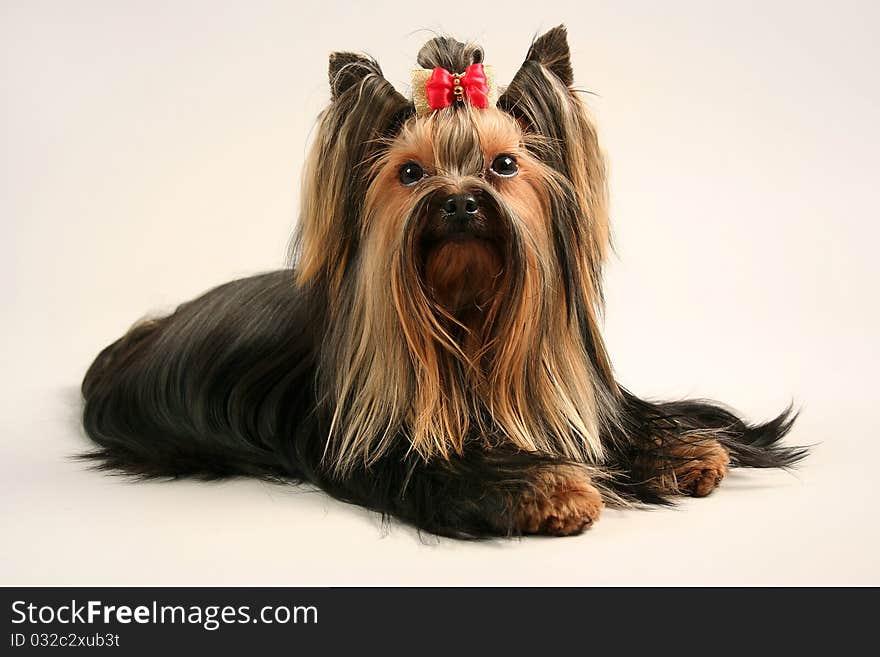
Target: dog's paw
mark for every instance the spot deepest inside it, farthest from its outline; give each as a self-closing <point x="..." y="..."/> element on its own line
<point x="703" y="467"/>
<point x="563" y="502"/>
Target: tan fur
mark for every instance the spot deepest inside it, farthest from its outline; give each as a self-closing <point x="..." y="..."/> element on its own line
<point x="705" y="466"/>
<point x="319" y="208"/>
<point x="402" y="366"/>
<point x="692" y="465"/>
<point x="564" y="502"/>
<point x="463" y="278"/>
<point x="587" y="171"/>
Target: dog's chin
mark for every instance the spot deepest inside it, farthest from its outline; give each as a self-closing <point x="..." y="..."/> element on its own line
<point x="463" y="273"/>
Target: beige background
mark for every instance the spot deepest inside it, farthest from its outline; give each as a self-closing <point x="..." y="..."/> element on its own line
<point x="151" y="150"/>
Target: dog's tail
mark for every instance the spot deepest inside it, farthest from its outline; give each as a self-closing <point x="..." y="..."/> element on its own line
<point x="208" y="391"/>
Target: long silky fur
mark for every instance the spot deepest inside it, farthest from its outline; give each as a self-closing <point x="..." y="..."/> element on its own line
<point x="341" y="372"/>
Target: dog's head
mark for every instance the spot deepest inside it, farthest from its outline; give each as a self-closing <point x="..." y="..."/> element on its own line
<point x="460" y="250"/>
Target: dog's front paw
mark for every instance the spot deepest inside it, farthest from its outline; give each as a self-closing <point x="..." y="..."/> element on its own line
<point x="562" y="502"/>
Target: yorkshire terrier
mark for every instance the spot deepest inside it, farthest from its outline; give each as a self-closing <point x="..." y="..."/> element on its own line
<point x="434" y="351"/>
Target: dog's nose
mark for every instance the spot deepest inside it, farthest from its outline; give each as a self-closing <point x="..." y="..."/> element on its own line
<point x="460" y="206"/>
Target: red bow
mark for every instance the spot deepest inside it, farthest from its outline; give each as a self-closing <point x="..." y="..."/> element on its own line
<point x="443" y="88"/>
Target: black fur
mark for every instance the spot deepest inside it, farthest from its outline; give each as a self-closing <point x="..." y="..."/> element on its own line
<point x="650" y="429"/>
<point x="226" y="386"/>
<point x="235" y="382"/>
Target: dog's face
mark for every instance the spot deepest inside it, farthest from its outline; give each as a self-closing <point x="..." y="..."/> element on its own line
<point x="459" y="254"/>
<point x="463" y="201"/>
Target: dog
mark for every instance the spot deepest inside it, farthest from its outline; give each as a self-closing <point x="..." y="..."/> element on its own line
<point x="434" y="350"/>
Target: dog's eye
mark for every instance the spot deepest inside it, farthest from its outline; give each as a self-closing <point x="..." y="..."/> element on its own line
<point x="505" y="166"/>
<point x="411" y="173"/>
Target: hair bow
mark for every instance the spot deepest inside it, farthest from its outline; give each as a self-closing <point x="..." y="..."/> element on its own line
<point x="438" y="88"/>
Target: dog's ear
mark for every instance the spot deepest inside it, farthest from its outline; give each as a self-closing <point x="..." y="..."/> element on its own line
<point x="366" y="111"/>
<point x="540" y="97"/>
<point x="348" y="69"/>
<point x="550" y="50"/>
<point x="541" y="87"/>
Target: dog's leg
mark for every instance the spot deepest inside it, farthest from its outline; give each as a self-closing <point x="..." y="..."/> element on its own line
<point x="687" y="447"/>
<point x="499" y="492"/>
<point x="564" y="501"/>
<point x="682" y="464"/>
